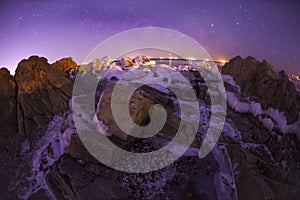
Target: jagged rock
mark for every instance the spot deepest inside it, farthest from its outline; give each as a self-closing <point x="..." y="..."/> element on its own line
<point x="40" y="195"/>
<point x="106" y="61"/>
<point x="141" y="59"/>
<point x="8" y="108"/>
<point x="99" y="66"/>
<point x="43" y="92"/>
<point x="264" y="163"/>
<point x="84" y="180"/>
<point x="256" y="179"/>
<point x="260" y="79"/>
<point x="127" y="62"/>
<point x="65" y="64"/>
<point x="96" y="66"/>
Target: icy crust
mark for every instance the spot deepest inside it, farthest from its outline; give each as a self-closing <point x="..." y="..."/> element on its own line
<point x="271" y="118"/>
<point x="40" y="158"/>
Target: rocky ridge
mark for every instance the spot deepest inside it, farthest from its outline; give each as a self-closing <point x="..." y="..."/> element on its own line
<point x="250" y="160"/>
<point x="260" y="80"/>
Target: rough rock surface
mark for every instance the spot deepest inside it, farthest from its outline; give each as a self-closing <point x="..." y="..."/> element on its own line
<point x="249" y="161"/>
<point x="127" y="62"/>
<point x="259" y="79"/>
<point x="8" y="108"/>
<point x="65" y="64"/>
<point x="138" y="111"/>
<point x="141" y="59"/>
<point x="263" y="161"/>
<point x="42" y="93"/>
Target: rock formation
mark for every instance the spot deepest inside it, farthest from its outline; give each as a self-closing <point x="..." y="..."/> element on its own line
<point x="249" y="161"/>
<point x="259" y="79"/>
<point x="65" y="65"/>
<point x="127" y="62"/>
<point x="141" y="59"/>
<point x="8" y="108"/>
<point x="43" y="91"/>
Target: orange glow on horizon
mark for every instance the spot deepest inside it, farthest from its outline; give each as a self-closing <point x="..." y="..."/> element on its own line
<point x="222" y="60"/>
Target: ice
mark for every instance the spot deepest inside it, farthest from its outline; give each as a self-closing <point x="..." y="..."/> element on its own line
<point x="43" y="154"/>
<point x="242" y="107"/>
<point x="267" y="122"/>
<point x="273" y="118"/>
<point x="112" y="71"/>
<point x="255" y="108"/>
<point x="229" y="79"/>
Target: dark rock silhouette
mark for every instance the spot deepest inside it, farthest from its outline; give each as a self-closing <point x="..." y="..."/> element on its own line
<point x="8" y="108"/>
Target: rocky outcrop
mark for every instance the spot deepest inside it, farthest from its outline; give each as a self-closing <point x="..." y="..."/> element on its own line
<point x="84" y="180"/>
<point x="249" y="161"/>
<point x="259" y="79"/>
<point x="141" y="59"/>
<point x="105" y="61"/>
<point x="259" y="160"/>
<point x="65" y="65"/>
<point x="127" y="62"/>
<point x="8" y="108"/>
<point x="100" y="66"/>
<point x="138" y="60"/>
<point x="139" y="112"/>
<point x="42" y="92"/>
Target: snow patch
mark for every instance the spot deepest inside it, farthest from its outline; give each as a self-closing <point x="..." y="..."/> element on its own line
<point x="43" y="154"/>
<point x="270" y="118"/>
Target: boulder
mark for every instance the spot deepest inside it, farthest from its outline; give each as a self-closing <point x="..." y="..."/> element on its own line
<point x="139" y="107"/>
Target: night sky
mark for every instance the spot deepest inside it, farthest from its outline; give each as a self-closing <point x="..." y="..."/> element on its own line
<point x="264" y="29"/>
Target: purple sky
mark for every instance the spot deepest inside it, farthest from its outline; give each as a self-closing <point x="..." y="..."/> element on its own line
<point x="265" y="29"/>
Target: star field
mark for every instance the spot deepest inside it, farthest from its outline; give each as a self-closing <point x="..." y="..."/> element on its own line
<point x="55" y="29"/>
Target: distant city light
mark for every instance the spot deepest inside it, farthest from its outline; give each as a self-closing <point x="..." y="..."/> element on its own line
<point x="222" y="61"/>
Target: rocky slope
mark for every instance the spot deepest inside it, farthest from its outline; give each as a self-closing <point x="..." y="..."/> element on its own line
<point x="42" y="156"/>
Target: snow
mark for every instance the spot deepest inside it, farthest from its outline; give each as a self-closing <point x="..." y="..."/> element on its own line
<point x="255" y="108"/>
<point x="229" y="79"/>
<point x="267" y="122"/>
<point x="70" y="129"/>
<point x="113" y="71"/>
<point x="270" y="118"/>
<point x="43" y="154"/>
